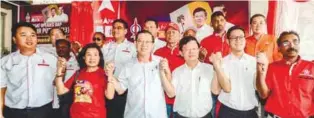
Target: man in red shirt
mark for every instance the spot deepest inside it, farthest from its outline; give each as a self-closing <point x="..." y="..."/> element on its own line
<point x="288" y="84"/>
<point x="171" y="53"/>
<point x="217" y="41"/>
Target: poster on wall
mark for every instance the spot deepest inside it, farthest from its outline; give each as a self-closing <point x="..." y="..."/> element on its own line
<point x="45" y="17"/>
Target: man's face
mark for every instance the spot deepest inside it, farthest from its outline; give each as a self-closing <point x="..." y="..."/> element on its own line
<point x="55" y="35"/>
<point x="237" y="40"/>
<point x="172" y="36"/>
<point x="99" y="39"/>
<point x="200" y="18"/>
<point x="258" y="25"/>
<point x="53" y="12"/>
<point x="63" y="50"/>
<point x="289" y="45"/>
<point x="151" y="27"/>
<point x="190" y="33"/>
<point x="25" y="38"/>
<point x="190" y="51"/>
<point x="119" y="31"/>
<point x="144" y="44"/>
<point x="218" y="23"/>
<point x="61" y="9"/>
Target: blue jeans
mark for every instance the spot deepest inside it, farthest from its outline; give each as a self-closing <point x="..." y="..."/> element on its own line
<point x="170" y="111"/>
<point x="214" y="98"/>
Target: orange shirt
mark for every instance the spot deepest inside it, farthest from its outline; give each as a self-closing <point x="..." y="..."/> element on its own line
<point x="267" y="43"/>
<point x="292" y="90"/>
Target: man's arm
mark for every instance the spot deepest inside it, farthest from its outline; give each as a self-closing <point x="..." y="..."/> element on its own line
<point x="3" y="90"/>
<point x="113" y="81"/>
<point x="215" y="87"/>
<point x="165" y="74"/>
<point x="262" y="68"/>
<point x="222" y="78"/>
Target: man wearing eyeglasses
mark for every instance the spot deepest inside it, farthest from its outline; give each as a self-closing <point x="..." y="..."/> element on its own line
<point x="288" y="85"/>
<point x="120" y="51"/>
<point x="234" y="78"/>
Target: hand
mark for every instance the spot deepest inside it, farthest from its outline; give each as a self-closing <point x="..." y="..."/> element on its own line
<point x="164" y="66"/>
<point x="262" y="62"/>
<point x="203" y="54"/>
<point x="216" y="59"/>
<point x="109" y="68"/>
<point x="61" y="65"/>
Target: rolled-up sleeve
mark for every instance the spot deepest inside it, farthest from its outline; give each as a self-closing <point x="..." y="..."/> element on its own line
<point x="3" y="74"/>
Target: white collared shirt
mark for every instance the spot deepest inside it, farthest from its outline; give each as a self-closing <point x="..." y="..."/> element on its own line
<point x="193" y="90"/>
<point x="120" y="54"/>
<point x="71" y="67"/>
<point x="158" y="44"/>
<point x="29" y="79"/>
<point x="145" y="98"/>
<point x="204" y="32"/>
<point x="241" y="73"/>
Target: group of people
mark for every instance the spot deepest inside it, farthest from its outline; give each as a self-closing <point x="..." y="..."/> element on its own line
<point x="202" y="74"/>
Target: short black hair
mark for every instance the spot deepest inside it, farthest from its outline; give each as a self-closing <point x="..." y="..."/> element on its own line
<point x="198" y="9"/>
<point x="102" y="34"/>
<point x="81" y="60"/>
<point x="145" y="32"/>
<point x="125" y="24"/>
<point x="236" y="27"/>
<point x="50" y="30"/>
<point x="216" y="14"/>
<point x="63" y="41"/>
<point x="186" y="40"/>
<point x="22" y="24"/>
<point x="257" y="15"/>
<point x="153" y="20"/>
<point x="284" y="33"/>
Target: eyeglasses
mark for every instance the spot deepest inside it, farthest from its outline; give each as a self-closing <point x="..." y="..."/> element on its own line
<point x="96" y="39"/>
<point x="237" y="38"/>
<point x="118" y="28"/>
<point x="288" y="43"/>
<point x="144" y="42"/>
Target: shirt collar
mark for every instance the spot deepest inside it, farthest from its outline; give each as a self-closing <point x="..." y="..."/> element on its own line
<point x="198" y="65"/>
<point x="233" y="57"/>
<point x="297" y="62"/>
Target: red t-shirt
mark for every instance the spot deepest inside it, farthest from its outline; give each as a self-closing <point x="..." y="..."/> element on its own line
<point x="174" y="60"/>
<point x="89" y="101"/>
<point x="214" y="43"/>
<point x="291" y="89"/>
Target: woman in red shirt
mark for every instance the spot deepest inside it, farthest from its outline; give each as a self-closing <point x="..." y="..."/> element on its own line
<point x="90" y="85"/>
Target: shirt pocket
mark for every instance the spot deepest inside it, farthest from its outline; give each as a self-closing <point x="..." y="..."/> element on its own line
<point x="306" y="84"/>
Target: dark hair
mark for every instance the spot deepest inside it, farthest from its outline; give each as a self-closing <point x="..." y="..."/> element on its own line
<point x="236" y="27"/>
<point x="216" y="14"/>
<point x="257" y="15"/>
<point x="63" y="41"/>
<point x="286" y="33"/>
<point x="198" y="9"/>
<point x="153" y="20"/>
<point x="186" y="40"/>
<point x="50" y="30"/>
<point x="145" y="32"/>
<point x="103" y="35"/>
<point x="22" y="24"/>
<point x="81" y="60"/>
<point x="53" y="8"/>
<point x="125" y="24"/>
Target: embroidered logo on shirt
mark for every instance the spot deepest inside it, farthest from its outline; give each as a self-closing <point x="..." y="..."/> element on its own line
<point x="83" y="91"/>
<point x="126" y="50"/>
<point x="43" y="63"/>
<point x="306" y="74"/>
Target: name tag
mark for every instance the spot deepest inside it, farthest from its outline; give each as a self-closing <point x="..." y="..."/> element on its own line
<point x="127" y="51"/>
<point x="43" y="64"/>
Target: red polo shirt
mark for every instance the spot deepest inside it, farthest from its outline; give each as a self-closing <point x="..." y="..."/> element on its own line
<point x="174" y="60"/>
<point x="291" y="89"/>
<point x="214" y="43"/>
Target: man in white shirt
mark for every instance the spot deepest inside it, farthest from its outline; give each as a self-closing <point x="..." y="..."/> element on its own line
<point x="55" y="33"/>
<point x="54" y="17"/>
<point x="63" y="17"/>
<point x="192" y="83"/>
<point x="151" y="25"/>
<point x="120" y="51"/>
<point x="146" y="78"/>
<point x="234" y="78"/>
<point x="203" y="30"/>
<point x="26" y="77"/>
